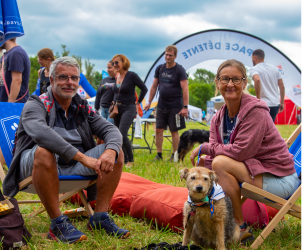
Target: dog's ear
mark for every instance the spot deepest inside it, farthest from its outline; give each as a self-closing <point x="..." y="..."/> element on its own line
<point x="184" y="174"/>
<point x="213" y="176"/>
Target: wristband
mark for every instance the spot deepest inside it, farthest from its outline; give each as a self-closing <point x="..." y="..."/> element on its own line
<point x="149" y="103"/>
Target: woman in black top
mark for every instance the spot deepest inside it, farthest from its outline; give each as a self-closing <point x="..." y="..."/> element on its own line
<point x="105" y="95"/>
<point x="45" y="59"/>
<point x="124" y="97"/>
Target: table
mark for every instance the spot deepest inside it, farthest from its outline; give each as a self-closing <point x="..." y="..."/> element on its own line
<point x="144" y="121"/>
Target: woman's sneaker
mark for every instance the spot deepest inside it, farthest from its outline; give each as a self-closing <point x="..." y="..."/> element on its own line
<point x="246" y="234"/>
<point x="109" y="226"/>
<point x="65" y="232"/>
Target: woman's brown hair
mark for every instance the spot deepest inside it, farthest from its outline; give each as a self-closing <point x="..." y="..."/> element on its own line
<point x="46" y="53"/>
<point x="125" y="61"/>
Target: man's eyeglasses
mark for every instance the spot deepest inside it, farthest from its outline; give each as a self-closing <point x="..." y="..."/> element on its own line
<point x="65" y="78"/>
<point x="236" y="79"/>
<point x="116" y="63"/>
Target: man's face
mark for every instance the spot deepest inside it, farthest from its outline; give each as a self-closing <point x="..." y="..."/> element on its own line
<point x="170" y="56"/>
<point x="65" y="89"/>
<point x="254" y="60"/>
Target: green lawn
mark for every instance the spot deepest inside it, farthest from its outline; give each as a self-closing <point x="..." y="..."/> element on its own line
<point x="286" y="236"/>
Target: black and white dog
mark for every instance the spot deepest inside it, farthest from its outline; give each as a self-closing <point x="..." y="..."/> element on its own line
<point x="187" y="141"/>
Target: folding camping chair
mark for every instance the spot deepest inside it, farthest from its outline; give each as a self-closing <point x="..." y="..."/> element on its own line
<point x="69" y="185"/>
<point x="284" y="206"/>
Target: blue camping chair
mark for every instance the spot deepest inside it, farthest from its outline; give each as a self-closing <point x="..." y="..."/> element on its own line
<point x="69" y="185"/>
<point x="284" y="206"/>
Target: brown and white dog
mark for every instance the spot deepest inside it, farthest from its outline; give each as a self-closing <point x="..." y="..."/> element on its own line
<point x="206" y="224"/>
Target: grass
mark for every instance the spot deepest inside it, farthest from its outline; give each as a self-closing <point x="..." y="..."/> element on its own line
<point x="286" y="236"/>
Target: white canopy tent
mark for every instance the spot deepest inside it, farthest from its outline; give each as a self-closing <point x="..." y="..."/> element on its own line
<point x="195" y="113"/>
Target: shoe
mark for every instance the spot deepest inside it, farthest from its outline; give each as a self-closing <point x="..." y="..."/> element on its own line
<point x="246" y="235"/>
<point x="157" y="158"/>
<point x="129" y="164"/>
<point x="172" y="158"/>
<point x="65" y="232"/>
<point x="109" y="226"/>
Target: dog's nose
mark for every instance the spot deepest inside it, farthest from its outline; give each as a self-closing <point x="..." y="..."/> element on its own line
<point x="199" y="188"/>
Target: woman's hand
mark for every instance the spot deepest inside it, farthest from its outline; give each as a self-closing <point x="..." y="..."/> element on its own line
<point x="194" y="154"/>
<point x="137" y="107"/>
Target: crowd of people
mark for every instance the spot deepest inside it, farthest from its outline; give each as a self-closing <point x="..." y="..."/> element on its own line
<point x="56" y="131"/>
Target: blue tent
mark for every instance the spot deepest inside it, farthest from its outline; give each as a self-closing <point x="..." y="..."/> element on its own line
<point x="10" y="21"/>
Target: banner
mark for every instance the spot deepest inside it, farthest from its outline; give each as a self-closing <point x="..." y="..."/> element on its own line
<point x="231" y="44"/>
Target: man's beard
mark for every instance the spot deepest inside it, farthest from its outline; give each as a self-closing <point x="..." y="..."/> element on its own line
<point x="58" y="91"/>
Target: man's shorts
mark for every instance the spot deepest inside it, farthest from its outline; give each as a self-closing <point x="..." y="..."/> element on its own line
<point x="167" y="117"/>
<point x="283" y="187"/>
<point x="28" y="156"/>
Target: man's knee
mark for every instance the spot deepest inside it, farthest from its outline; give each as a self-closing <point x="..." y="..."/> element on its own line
<point x="174" y="134"/>
<point x="120" y="159"/>
<point x="44" y="158"/>
<point x="159" y="131"/>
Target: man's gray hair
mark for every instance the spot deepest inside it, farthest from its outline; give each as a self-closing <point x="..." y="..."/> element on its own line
<point x="66" y="60"/>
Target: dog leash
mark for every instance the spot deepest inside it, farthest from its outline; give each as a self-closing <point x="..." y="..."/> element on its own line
<point x="198" y="121"/>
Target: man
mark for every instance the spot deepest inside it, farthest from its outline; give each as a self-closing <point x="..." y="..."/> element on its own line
<point x="173" y="99"/>
<point x="55" y="137"/>
<point x="16" y="69"/>
<point x="267" y="79"/>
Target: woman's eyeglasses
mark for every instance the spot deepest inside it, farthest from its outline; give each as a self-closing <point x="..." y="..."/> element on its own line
<point x="236" y="79"/>
<point x="116" y="63"/>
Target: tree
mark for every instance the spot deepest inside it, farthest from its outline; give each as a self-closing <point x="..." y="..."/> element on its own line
<point x="203" y="75"/>
<point x="33" y="77"/>
<point x="90" y="73"/>
<point x="250" y="86"/>
<point x="79" y="60"/>
<point x="97" y="79"/>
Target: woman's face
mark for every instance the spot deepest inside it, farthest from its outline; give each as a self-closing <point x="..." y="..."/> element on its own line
<point x="230" y="91"/>
<point x="111" y="70"/>
<point x="118" y="64"/>
<point x="42" y="62"/>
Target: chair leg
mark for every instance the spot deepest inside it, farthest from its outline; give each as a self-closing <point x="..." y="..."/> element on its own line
<point x="86" y="203"/>
<point x="61" y="199"/>
<point x="269" y="228"/>
<point x="152" y="143"/>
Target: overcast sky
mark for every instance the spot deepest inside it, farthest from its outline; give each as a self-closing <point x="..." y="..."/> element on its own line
<point x="141" y="29"/>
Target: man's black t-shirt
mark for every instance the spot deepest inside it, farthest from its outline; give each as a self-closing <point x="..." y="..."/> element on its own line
<point x="105" y="94"/>
<point x="170" y="91"/>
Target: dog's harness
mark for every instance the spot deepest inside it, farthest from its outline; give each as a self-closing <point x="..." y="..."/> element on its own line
<point x="216" y="193"/>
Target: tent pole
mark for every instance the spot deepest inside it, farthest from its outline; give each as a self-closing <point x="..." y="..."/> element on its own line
<point x="291" y="115"/>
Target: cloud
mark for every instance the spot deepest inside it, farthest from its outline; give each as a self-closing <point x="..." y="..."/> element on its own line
<point x="142" y="29"/>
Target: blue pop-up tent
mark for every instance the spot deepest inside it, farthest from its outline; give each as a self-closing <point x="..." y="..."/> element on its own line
<point x="10" y="21"/>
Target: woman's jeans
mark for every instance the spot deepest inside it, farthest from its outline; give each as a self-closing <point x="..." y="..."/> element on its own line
<point x="105" y="114"/>
<point x="124" y="119"/>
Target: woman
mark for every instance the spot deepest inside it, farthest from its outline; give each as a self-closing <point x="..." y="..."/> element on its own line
<point x="104" y="95"/>
<point x="45" y="59"/>
<point x="245" y="145"/>
<point x="124" y="97"/>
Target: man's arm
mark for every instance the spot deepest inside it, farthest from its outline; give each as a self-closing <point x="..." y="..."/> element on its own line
<point x="15" y="86"/>
<point x="257" y="84"/>
<point x="185" y="92"/>
<point x="152" y="93"/>
<point x="282" y="94"/>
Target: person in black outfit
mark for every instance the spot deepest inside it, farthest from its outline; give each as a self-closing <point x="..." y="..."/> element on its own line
<point x="45" y="59"/>
<point x="124" y="97"/>
<point x="105" y="95"/>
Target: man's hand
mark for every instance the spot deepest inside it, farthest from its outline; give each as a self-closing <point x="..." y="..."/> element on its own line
<point x="147" y="106"/>
<point x="281" y="108"/>
<point x="184" y="112"/>
<point x="106" y="161"/>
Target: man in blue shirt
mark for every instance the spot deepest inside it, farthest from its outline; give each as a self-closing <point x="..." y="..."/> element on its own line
<point x="15" y="65"/>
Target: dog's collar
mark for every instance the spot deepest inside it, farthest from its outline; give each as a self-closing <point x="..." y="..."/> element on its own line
<point x="215" y="194"/>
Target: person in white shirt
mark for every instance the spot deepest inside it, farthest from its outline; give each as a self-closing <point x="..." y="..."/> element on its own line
<point x="267" y="80"/>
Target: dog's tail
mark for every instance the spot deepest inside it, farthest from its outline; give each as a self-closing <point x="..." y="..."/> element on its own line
<point x="175" y="156"/>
